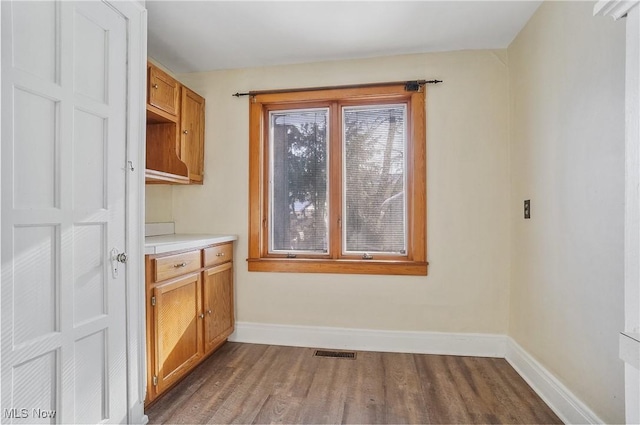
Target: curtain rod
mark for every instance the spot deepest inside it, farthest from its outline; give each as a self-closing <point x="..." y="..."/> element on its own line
<point x="413" y="85"/>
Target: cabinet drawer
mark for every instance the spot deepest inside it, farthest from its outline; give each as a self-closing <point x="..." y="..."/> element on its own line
<point x="176" y="265"/>
<point x="218" y="254"/>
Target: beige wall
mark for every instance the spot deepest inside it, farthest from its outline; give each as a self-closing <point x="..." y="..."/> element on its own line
<point x="158" y="203"/>
<point x="567" y="155"/>
<point x="468" y="188"/>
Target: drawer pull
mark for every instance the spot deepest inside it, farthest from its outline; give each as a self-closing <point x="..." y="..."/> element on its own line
<point x="155" y="86"/>
<point x="220" y="254"/>
<point x="201" y="315"/>
<point x="177" y="266"/>
<point x="209" y="312"/>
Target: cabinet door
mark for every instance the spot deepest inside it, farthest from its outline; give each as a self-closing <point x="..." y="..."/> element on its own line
<point x="178" y="329"/>
<point x="192" y="134"/>
<point x="164" y="91"/>
<point x="218" y="304"/>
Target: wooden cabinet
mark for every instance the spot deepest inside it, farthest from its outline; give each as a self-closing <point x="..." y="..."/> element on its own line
<point x="192" y="134"/>
<point x="177" y="329"/>
<point x="189" y="311"/>
<point x="163" y="91"/>
<point x="175" y="131"/>
<point x="218" y="305"/>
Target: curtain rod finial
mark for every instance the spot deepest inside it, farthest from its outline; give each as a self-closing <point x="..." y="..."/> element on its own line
<point x="416" y="85"/>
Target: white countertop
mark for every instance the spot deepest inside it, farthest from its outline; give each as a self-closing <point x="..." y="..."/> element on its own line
<point x="179" y="241"/>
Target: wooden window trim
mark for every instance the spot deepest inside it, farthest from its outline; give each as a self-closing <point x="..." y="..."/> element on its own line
<point x="414" y="263"/>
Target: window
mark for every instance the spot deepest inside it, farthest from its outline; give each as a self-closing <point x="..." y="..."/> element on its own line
<point x="337" y="181"/>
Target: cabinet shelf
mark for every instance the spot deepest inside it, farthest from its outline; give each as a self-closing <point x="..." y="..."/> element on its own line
<point x="163" y="163"/>
<point x="157" y="116"/>
<point x="159" y="177"/>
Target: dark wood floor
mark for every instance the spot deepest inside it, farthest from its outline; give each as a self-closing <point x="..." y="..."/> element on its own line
<point x="248" y="383"/>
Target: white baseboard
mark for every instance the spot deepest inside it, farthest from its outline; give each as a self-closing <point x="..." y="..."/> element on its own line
<point x="458" y="344"/>
<point x="558" y="397"/>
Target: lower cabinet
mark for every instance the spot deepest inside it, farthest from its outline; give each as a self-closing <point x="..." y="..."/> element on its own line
<point x="218" y="302"/>
<point x="189" y="312"/>
<point x="178" y="329"/>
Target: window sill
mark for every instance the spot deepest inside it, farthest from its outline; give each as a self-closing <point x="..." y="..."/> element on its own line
<point x="305" y="265"/>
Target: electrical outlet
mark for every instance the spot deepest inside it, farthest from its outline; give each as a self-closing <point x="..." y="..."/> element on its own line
<point x="527" y="208"/>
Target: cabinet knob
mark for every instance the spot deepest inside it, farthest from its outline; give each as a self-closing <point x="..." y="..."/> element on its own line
<point x="186" y="132"/>
<point x="177" y="266"/>
<point x="209" y="312"/>
<point x="155" y="86"/>
<point x="201" y="315"/>
<point x="220" y="254"/>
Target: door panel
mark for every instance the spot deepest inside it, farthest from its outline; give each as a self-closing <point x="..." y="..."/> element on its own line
<point x="34" y="47"/>
<point x="35" y="288"/>
<point x="35" y="385"/>
<point x="91" y="285"/>
<point x="89" y="160"/>
<point x="91" y="78"/>
<point x="64" y="82"/>
<point x="90" y="378"/>
<point x="35" y="148"/>
<point x="218" y="304"/>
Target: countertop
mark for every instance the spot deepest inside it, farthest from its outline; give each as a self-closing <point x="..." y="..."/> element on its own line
<point x="179" y="241"/>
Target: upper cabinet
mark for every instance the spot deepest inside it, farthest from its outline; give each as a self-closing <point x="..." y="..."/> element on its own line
<point x="175" y="131"/>
<point x="192" y="134"/>
<point x="163" y="91"/>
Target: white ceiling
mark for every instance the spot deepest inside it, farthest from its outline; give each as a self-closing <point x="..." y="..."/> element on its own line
<point x="193" y="36"/>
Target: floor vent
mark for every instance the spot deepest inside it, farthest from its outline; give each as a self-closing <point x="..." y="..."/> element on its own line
<point x="336" y="354"/>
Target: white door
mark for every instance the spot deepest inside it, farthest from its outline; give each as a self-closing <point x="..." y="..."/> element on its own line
<point x="64" y="89"/>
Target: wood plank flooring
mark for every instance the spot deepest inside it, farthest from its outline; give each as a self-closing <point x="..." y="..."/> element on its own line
<point x="249" y="383"/>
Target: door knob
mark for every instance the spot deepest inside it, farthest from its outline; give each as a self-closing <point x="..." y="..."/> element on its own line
<point x="117" y="257"/>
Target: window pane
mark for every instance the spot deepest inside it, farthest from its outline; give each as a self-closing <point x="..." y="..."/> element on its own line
<point x="298" y="181"/>
<point x="374" y="183"/>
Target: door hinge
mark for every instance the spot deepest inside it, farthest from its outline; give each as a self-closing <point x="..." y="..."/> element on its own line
<point x="155" y="381"/>
<point x="153" y="301"/>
